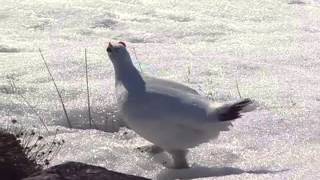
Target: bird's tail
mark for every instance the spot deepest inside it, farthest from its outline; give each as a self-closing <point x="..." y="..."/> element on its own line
<point x="233" y="111"/>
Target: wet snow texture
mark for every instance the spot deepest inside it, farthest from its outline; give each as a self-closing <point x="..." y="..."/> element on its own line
<point x="270" y="47"/>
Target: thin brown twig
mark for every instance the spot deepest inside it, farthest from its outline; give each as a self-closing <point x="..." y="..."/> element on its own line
<point x="55" y="85"/>
<point x="188" y="74"/>
<point x="88" y="92"/>
<point x="238" y="89"/>
<point x="135" y="55"/>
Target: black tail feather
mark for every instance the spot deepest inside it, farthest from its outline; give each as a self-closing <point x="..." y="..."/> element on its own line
<point x="231" y="112"/>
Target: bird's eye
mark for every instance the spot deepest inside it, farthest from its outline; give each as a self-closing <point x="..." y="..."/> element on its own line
<point x="109" y="49"/>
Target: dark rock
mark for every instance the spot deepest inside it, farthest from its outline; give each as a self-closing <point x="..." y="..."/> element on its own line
<point x="14" y="163"/>
<point x="80" y="171"/>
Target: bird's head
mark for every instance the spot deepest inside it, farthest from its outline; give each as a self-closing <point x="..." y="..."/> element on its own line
<point x="125" y="72"/>
<point x="118" y="53"/>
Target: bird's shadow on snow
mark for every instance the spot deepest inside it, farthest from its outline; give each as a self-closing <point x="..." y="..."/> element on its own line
<point x="203" y="172"/>
<point x="197" y="171"/>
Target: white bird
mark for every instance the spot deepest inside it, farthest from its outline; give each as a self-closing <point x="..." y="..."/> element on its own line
<point x="170" y="115"/>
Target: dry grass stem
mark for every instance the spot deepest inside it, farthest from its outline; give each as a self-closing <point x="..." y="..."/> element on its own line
<point x="88" y="92"/>
<point x="237" y="85"/>
<point x="55" y="85"/>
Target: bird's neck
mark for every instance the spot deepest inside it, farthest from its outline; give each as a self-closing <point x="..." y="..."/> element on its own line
<point x="130" y="78"/>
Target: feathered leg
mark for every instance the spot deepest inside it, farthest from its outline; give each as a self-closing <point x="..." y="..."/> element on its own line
<point x="179" y="159"/>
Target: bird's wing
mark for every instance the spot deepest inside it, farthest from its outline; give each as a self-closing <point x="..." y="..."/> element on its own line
<point x="167" y="104"/>
<point x="167" y="84"/>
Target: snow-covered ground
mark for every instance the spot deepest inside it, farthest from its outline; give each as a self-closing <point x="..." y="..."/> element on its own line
<point x="270" y="47"/>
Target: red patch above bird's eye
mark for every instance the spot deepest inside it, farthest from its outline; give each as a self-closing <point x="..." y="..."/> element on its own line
<point x="124" y="44"/>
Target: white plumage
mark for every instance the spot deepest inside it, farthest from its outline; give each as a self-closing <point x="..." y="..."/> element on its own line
<point x="172" y="116"/>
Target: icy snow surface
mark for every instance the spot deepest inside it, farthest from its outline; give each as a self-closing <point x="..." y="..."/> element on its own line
<point x="271" y="48"/>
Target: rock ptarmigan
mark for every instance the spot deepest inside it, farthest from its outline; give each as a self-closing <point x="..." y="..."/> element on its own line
<point x="172" y="116"/>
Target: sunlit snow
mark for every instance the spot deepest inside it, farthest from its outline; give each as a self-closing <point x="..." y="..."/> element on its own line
<point x="270" y="48"/>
